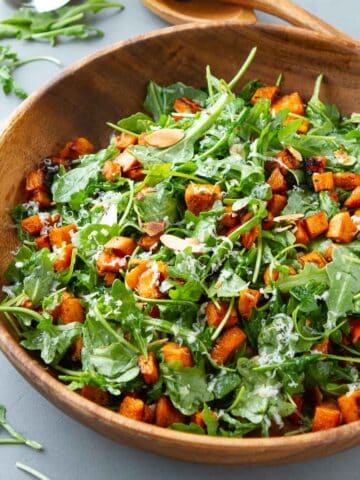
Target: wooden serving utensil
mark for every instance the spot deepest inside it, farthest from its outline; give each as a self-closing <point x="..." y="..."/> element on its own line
<point x="185" y="11"/>
<point x="287" y="10"/>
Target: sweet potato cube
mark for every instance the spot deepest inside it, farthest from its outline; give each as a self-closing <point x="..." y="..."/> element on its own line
<point x="76" y="349"/>
<point x="63" y="259"/>
<point x="277" y="181"/>
<point x="276" y="204"/>
<point x="227" y="344"/>
<point x="200" y="198"/>
<point x="95" y="394"/>
<point x="248" y="300"/>
<point x="354" y="330"/>
<point x="133" y="276"/>
<point x="32" y="225"/>
<point x="127" y="162"/>
<point x="43" y="242"/>
<point x="136" y="409"/>
<point x="315" y="164"/>
<point x="148" y="284"/>
<point x="267" y="93"/>
<point x="149" y="368"/>
<point x="42" y="198"/>
<point x="120" y="246"/>
<point x="349" y="406"/>
<point x="326" y="416"/>
<point x="125" y="140"/>
<point x="147" y="242"/>
<point x="166" y="414"/>
<point x="313" y="257"/>
<point x="347" y="180"/>
<point x="296" y="416"/>
<point x="248" y="239"/>
<point x="275" y="274"/>
<point x="322" y="347"/>
<point x="60" y="235"/>
<point x="71" y="311"/>
<point x="173" y="352"/>
<point x="267" y="223"/>
<point x="76" y="148"/>
<point x="301" y="235"/>
<point x="215" y="316"/>
<point x="108" y="262"/>
<point x="323" y="181"/>
<point x="316" y="224"/>
<point x="353" y="201"/>
<point x="184" y="105"/>
<point x="109" y="278"/>
<point x="111" y="171"/>
<point x="289" y="157"/>
<point x="292" y="102"/>
<point x="341" y="228"/>
<point x="35" y="180"/>
<point x="229" y="218"/>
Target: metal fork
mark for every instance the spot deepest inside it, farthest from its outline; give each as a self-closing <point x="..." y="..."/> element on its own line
<point x="41" y="5"/>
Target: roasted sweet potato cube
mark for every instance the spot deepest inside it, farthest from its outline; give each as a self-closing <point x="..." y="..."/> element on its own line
<point x="71" y="310"/>
<point x="313" y="257"/>
<point x="323" y="181"/>
<point x="135" y="174"/>
<point x="166" y="414"/>
<point x="322" y="347"/>
<point x="316" y="224"/>
<point x="173" y="352"/>
<point x="42" y="198"/>
<point x="200" y="198"/>
<point x="60" y="235"/>
<point x="301" y="235"/>
<point x="353" y="201"/>
<point x="349" y="406"/>
<point x="109" y="278"/>
<point x="76" y="148"/>
<point x="275" y="274"/>
<point x="277" y="181"/>
<point x="136" y="409"/>
<point x="32" y="225"/>
<point x="276" y="204"/>
<point x="347" y="180"/>
<point x="120" y="246"/>
<point x="267" y="223"/>
<point x="146" y="242"/>
<point x="229" y="218"/>
<point x="111" y="171"/>
<point x="293" y="102"/>
<point x="315" y="164"/>
<point x="198" y="418"/>
<point x="35" y="180"/>
<point x="289" y="157"/>
<point x="95" y="394"/>
<point x="215" y="316"/>
<point x="326" y="416"/>
<point x="227" y="344"/>
<point x="184" y="105"/>
<point x="125" y="140"/>
<point x="248" y="300"/>
<point x="248" y="239"/>
<point x="109" y="262"/>
<point x="267" y="93"/>
<point x="148" y="284"/>
<point x="43" y="242"/>
<point x="133" y="276"/>
<point x="76" y="349"/>
<point x="295" y="417"/>
<point x="354" y="330"/>
<point x="149" y="368"/>
<point x="127" y="162"/>
<point x="63" y="259"/>
<point x="341" y="228"/>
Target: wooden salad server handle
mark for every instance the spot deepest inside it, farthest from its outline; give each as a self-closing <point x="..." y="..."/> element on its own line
<point x="287" y="10"/>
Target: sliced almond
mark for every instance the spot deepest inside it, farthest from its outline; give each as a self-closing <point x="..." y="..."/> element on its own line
<point x="179" y="244"/>
<point x="291" y="217"/>
<point x="166" y="137"/>
<point x="153" y="228"/>
<point x="343" y="158"/>
<point x="296" y="154"/>
<point x="237" y="149"/>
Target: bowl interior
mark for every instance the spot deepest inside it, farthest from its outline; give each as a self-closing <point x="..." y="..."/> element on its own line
<point x="111" y="84"/>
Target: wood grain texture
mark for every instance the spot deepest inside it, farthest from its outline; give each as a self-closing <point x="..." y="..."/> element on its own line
<point x="292" y="13"/>
<point x="177" y="12"/>
<point x="111" y="84"/>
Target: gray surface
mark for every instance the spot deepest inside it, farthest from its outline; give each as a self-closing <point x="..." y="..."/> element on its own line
<point x="72" y="452"/>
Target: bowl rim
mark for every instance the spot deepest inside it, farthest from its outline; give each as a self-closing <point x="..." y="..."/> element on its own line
<point x="38" y="374"/>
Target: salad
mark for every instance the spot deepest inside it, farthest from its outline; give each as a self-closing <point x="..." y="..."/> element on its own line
<point x="201" y="272"/>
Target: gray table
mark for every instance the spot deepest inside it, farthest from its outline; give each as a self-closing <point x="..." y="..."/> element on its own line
<point x="73" y="452"/>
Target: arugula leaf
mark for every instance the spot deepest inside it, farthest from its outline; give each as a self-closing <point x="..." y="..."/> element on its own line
<point x="229" y="284"/>
<point x="158" y="205"/>
<point x="37" y="285"/>
<point x="76" y="180"/>
<point x="160" y="100"/>
<point x="16" y="437"/>
<point x="137" y="123"/>
<point x="186" y="387"/>
<point x="114" y="362"/>
<point x="310" y="273"/>
<point x="53" y="341"/>
<point x="92" y="238"/>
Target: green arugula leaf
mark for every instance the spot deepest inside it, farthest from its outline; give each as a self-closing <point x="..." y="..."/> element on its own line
<point x="37" y="285"/>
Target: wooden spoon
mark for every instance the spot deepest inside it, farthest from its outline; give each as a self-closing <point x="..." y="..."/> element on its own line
<point x="293" y="14"/>
<point x="184" y="11"/>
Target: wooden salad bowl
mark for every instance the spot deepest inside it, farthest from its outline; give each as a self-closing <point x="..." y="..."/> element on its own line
<point x="111" y="84"/>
